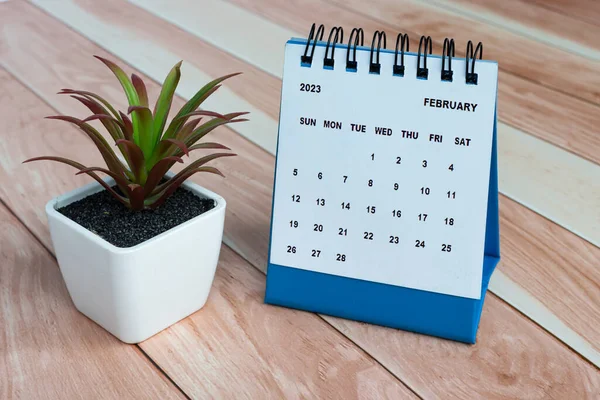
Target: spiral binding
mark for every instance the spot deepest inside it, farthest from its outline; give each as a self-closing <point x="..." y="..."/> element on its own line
<point x="374" y="66"/>
<point x="352" y="65"/>
<point x="336" y="36"/>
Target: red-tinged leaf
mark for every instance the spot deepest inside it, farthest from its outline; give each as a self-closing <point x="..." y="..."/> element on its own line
<point x="142" y="129"/>
<point x="90" y="96"/>
<point x="158" y="172"/>
<point x="121" y="182"/>
<point x="202" y="95"/>
<point x="127" y="85"/>
<point x="203" y="113"/>
<point x="231" y="116"/>
<point x="110" y="158"/>
<point x="163" y="103"/>
<point x="208" y="145"/>
<point x="140" y="88"/>
<point x="181" y="145"/>
<point x="157" y="200"/>
<point x="127" y="127"/>
<point x="80" y="167"/>
<point x="135" y="158"/>
<point x="195" y="102"/>
<point x="205" y="129"/>
<point x="112" y="125"/>
<point x="105" y="117"/>
<point x="187" y="129"/>
<point x="195" y="164"/>
<point x="136" y="197"/>
<point x="179" y="120"/>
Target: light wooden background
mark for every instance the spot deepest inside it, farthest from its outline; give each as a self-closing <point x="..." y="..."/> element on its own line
<point x="539" y="336"/>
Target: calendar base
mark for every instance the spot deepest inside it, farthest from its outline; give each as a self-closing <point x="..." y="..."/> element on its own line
<point x="445" y="316"/>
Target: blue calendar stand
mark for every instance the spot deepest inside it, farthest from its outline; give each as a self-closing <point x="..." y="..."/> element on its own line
<point x="450" y="317"/>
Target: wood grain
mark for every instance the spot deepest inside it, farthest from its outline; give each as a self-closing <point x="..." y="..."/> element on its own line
<point x="569" y="123"/>
<point x="49" y="349"/>
<point x="236" y="345"/>
<point x="526" y="19"/>
<point x="532" y="188"/>
<point x="584" y="10"/>
<point x="481" y="369"/>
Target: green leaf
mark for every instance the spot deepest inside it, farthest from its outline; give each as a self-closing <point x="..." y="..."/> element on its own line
<point x="163" y="103"/>
<point x="142" y="131"/>
<point x="193" y="104"/>
<point x="80" y="167"/>
<point x="127" y="85"/>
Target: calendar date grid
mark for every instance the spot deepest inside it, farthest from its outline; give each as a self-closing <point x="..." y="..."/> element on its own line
<point x="351" y="182"/>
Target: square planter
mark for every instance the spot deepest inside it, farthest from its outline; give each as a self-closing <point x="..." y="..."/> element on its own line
<point x="136" y="292"/>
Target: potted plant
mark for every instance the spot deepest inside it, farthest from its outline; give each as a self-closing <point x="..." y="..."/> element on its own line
<point x="138" y="249"/>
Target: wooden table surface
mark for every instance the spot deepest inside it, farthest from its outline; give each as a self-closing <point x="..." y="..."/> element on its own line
<point x="539" y="336"/>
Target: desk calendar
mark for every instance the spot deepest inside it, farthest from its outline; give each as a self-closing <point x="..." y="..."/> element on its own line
<point x="385" y="195"/>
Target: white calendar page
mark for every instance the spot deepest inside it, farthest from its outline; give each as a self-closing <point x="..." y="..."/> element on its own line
<point x="373" y="183"/>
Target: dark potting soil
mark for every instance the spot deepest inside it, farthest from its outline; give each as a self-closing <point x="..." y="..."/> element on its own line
<point x="103" y="215"/>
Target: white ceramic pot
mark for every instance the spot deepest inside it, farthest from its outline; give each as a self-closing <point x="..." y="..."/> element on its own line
<point x="138" y="291"/>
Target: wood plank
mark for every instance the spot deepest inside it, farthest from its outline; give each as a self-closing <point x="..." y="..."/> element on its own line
<point x="250" y="253"/>
<point x="564" y="192"/>
<point x="236" y="344"/>
<point x="526" y="19"/>
<point x="251" y="237"/>
<point x="569" y="123"/>
<point x="584" y="10"/>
